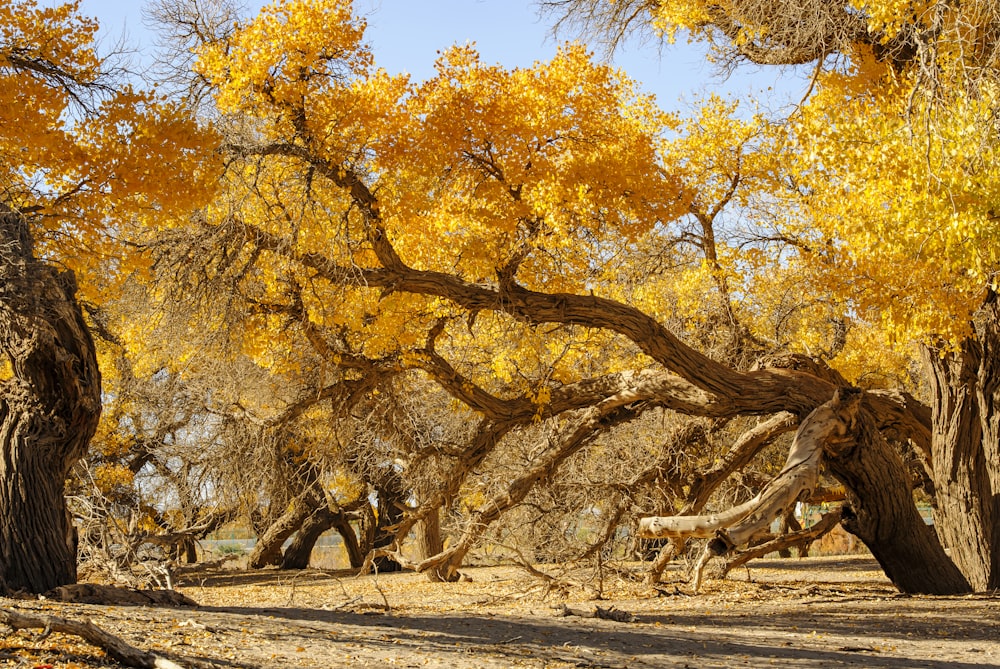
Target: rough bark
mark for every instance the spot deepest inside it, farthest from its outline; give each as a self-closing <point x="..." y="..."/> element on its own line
<point x="299" y="551"/>
<point x="355" y="554"/>
<point x="881" y="512"/>
<point x="267" y="550"/>
<point x="965" y="448"/>
<point x="429" y="541"/>
<point x="50" y="403"/>
<point x="391" y="503"/>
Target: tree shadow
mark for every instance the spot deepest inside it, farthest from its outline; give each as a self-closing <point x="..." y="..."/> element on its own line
<point x="697" y="640"/>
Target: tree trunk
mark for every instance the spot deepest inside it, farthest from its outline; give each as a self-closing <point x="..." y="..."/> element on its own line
<point x="299" y="552"/>
<point x="267" y="550"/>
<point x="429" y="541"/>
<point x="391" y="500"/>
<point x="965" y="448"/>
<point x="50" y="403"/>
<point x="355" y="554"/>
<point x="881" y="512"/>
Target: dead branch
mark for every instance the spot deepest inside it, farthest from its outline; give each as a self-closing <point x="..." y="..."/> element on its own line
<point x="598" y="612"/>
<point x="810" y="534"/>
<point x="115" y="647"/>
<point x="94" y="593"/>
<point x="829" y="424"/>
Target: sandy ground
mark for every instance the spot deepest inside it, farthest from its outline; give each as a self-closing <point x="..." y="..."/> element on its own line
<point x="813" y="612"/>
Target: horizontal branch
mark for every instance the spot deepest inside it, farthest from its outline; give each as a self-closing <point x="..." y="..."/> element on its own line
<point x="785" y="541"/>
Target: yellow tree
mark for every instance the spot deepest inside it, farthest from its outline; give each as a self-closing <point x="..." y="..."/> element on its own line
<point x="401" y="224"/>
<point x="83" y="159"/>
<point x="894" y="152"/>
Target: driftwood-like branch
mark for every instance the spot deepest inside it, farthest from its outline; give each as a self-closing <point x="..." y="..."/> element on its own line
<point x="115" y="647"/>
<point x="809" y="534"/>
<point x="829" y="424"/>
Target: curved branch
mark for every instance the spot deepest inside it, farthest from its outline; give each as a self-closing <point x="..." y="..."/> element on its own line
<point x="826" y="427"/>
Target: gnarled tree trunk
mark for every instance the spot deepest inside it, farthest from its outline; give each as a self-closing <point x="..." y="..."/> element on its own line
<point x="965" y="447"/>
<point x="300" y="550"/>
<point x="50" y="403"/>
<point x="880" y="511"/>
<point x="391" y="503"/>
<point x="355" y="555"/>
<point x="267" y="551"/>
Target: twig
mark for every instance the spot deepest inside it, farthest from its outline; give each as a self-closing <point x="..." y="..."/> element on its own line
<point x="378" y="587"/>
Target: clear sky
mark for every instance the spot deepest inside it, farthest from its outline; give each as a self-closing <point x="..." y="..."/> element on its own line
<point x="407" y="34"/>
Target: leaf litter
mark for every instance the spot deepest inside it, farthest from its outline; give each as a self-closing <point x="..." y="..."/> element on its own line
<point x="810" y="612"/>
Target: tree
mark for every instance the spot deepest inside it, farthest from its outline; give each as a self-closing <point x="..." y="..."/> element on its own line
<point x="896" y="146"/>
<point x="50" y="400"/>
<point x="399" y="226"/>
<point x="84" y="160"/>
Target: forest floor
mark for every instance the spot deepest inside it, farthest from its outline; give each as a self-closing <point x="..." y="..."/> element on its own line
<point x="812" y="612"/>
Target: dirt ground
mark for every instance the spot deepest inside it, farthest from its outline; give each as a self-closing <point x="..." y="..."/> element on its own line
<point x="813" y="612"/>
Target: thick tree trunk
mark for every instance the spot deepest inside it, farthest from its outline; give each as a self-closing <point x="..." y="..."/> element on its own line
<point x="299" y="552"/>
<point x="50" y="403"/>
<point x="267" y="551"/>
<point x="391" y="503"/>
<point x="965" y="448"/>
<point x="881" y="512"/>
<point x="429" y="541"/>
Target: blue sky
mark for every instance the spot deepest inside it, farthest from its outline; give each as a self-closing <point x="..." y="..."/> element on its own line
<point x="406" y="36"/>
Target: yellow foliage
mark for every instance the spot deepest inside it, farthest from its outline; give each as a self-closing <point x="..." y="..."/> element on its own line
<point x="97" y="171"/>
<point x="109" y="476"/>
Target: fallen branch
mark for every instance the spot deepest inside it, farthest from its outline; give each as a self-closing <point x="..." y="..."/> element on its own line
<point x="115" y="647"/>
<point x="604" y="614"/>
<point x="94" y="593"/>
<point x="196" y="567"/>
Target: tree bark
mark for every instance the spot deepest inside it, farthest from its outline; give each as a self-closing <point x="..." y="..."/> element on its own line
<point x="965" y="448"/>
<point x="881" y="512"/>
<point x="429" y="541"/>
<point x="355" y="554"/>
<point x="391" y="500"/>
<point x="299" y="552"/>
<point x="50" y="403"/>
<point x="267" y="550"/>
